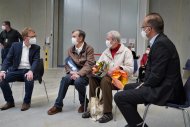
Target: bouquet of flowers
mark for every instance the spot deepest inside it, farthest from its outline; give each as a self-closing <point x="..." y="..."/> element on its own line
<point x="119" y="78"/>
<point x="100" y="69"/>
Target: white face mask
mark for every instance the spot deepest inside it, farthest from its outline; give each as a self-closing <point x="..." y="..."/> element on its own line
<point x="3" y="27"/>
<point x="132" y="49"/>
<point x="32" y="40"/>
<point x="74" y="41"/>
<point x="143" y="34"/>
<point x="108" y="44"/>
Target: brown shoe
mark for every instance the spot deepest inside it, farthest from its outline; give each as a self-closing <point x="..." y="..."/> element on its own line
<point x="7" y="106"/>
<point x="81" y="109"/>
<point x="53" y="110"/>
<point x="25" y="107"/>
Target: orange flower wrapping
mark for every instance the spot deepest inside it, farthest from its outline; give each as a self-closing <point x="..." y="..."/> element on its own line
<point x="119" y="78"/>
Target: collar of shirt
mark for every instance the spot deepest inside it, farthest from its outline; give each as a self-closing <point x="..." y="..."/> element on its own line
<point x="23" y="45"/>
<point x="153" y="40"/>
<point x="80" y="48"/>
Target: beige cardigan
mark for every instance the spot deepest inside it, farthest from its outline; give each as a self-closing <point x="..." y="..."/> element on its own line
<point x="122" y="58"/>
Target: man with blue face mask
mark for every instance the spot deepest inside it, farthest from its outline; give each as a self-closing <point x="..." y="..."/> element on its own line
<point x="21" y="64"/>
<point x="162" y="83"/>
<point x="78" y="65"/>
<point x="7" y="37"/>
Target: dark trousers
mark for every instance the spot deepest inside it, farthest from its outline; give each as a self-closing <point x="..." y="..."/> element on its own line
<point x="127" y="101"/>
<point x="141" y="73"/>
<point x="4" y="53"/>
<point x="80" y="85"/>
<point x="106" y="86"/>
<point x="16" y="76"/>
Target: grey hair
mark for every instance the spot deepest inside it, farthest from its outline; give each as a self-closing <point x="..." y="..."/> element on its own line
<point x="115" y="35"/>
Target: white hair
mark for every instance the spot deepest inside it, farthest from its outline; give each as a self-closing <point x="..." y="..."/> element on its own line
<point x="115" y="35"/>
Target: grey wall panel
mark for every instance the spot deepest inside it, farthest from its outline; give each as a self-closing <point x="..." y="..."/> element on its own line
<point x="128" y="24"/>
<point x="176" y="17"/>
<point x="109" y="19"/>
<point x="72" y="20"/>
<point x="96" y="18"/>
<point x="90" y="24"/>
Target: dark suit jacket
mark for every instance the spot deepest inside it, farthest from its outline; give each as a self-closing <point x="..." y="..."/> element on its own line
<point x="163" y="78"/>
<point x="13" y="58"/>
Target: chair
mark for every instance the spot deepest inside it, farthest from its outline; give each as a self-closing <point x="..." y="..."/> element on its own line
<point x="40" y="68"/>
<point x="177" y="106"/>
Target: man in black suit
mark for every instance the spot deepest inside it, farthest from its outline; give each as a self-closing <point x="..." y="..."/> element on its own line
<point x="20" y="65"/>
<point x="163" y="81"/>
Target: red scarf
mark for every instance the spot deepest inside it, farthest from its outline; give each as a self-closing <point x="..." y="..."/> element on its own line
<point x="113" y="51"/>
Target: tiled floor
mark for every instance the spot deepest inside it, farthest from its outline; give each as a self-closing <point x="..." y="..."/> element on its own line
<point x="37" y="116"/>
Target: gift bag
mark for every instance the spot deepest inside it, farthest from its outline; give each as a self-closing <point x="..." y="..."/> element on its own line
<point x="96" y="108"/>
<point x="119" y="78"/>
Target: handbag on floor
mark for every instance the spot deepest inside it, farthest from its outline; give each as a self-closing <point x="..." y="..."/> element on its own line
<point x="96" y="108"/>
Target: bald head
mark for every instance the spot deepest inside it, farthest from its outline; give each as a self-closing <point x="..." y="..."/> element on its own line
<point x="155" y="21"/>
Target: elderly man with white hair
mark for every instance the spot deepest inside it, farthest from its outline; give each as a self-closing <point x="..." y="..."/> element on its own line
<point x="119" y="57"/>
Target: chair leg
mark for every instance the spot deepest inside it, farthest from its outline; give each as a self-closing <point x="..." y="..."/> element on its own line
<point x="11" y="84"/>
<point x="145" y="114"/>
<point x="85" y="101"/>
<point x="115" y="112"/>
<point x="74" y="95"/>
<point x="187" y="116"/>
<point x="45" y="90"/>
<point x="184" y="117"/>
<point x="23" y="91"/>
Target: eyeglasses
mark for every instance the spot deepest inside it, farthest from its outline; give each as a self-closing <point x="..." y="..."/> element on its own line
<point x="31" y="36"/>
<point x="144" y="26"/>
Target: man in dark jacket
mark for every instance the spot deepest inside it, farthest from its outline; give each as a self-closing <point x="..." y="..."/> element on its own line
<point x="7" y="37"/>
<point x="20" y="65"/>
<point x="163" y="81"/>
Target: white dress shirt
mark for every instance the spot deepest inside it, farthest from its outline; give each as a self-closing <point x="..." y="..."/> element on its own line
<point x="78" y="50"/>
<point x="152" y="40"/>
<point x="24" y="62"/>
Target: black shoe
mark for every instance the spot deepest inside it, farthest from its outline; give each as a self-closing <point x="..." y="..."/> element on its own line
<point x="137" y="126"/>
<point x="106" y="118"/>
<point x="86" y="114"/>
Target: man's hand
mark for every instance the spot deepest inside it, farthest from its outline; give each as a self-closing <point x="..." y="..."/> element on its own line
<point x="74" y="75"/>
<point x="2" y="76"/>
<point x="29" y="75"/>
<point x="1" y="46"/>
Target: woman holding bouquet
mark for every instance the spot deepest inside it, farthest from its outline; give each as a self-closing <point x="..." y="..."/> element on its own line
<point x="117" y="57"/>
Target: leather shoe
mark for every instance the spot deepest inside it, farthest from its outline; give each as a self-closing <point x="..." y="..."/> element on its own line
<point x="25" y="107"/>
<point x="7" y="106"/>
<point x="81" y="109"/>
<point x="53" y="110"/>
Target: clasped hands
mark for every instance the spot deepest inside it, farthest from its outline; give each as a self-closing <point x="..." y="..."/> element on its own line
<point x="74" y="75"/>
<point x="2" y="75"/>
